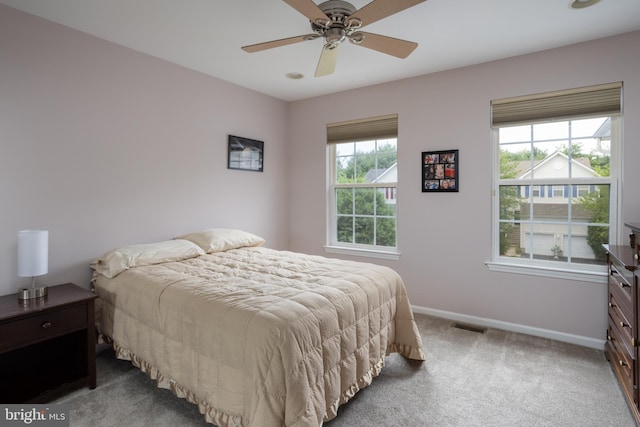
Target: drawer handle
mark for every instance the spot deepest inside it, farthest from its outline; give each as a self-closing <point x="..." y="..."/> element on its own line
<point x="622" y="363"/>
<point x="622" y="284"/>
<point x="47" y="325"/>
<point x="612" y="305"/>
<point x="610" y="338"/>
<point x="622" y="324"/>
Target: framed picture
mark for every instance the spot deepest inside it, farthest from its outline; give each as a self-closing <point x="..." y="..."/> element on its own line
<point x="440" y="171"/>
<point x="245" y="154"/>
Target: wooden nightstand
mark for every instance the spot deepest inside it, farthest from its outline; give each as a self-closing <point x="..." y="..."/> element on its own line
<point x="47" y="346"/>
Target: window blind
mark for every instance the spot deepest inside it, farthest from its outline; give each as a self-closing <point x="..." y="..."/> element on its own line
<point x="362" y="130"/>
<point x="605" y="100"/>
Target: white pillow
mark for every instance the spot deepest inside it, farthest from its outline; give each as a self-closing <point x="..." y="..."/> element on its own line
<point x="223" y="239"/>
<point x="118" y="260"/>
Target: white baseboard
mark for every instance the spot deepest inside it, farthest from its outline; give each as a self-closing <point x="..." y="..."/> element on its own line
<point x="513" y="327"/>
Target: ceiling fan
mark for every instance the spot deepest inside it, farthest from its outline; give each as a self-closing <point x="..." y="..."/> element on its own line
<point x="337" y="21"/>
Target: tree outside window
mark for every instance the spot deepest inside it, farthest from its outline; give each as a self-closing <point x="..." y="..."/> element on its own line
<point x="365" y="192"/>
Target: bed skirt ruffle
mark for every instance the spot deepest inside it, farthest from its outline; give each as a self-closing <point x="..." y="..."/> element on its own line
<point x="222" y="419"/>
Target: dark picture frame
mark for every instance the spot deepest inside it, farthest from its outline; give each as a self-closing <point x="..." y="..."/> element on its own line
<point x="440" y="172"/>
<point x="245" y="154"/>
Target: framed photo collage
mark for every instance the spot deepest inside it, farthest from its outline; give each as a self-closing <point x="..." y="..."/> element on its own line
<point x="440" y="171"/>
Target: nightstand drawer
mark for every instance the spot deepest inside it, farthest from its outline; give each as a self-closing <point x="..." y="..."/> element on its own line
<point x="42" y="326"/>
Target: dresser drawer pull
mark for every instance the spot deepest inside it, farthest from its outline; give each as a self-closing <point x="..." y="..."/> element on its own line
<point x="612" y="305"/>
<point x="610" y="338"/>
<point x="622" y="324"/>
<point x="622" y="283"/>
<point x="47" y="325"/>
<point x="622" y="363"/>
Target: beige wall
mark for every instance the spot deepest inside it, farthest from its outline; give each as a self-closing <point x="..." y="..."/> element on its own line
<point x="104" y="146"/>
<point x="445" y="238"/>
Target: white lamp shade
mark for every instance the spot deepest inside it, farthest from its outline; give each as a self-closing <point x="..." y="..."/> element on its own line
<point x="33" y="253"/>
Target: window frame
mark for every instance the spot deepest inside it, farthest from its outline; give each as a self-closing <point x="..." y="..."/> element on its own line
<point x="573" y="271"/>
<point x="345" y="248"/>
<point x="602" y="100"/>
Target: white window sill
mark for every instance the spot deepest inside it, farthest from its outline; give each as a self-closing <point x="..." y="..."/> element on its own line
<point x="371" y="253"/>
<point x="590" y="275"/>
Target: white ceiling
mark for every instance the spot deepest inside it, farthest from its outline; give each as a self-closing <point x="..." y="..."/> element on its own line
<point x="206" y="35"/>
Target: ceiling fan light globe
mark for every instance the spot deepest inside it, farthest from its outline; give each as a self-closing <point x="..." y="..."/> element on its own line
<point x="335" y="35"/>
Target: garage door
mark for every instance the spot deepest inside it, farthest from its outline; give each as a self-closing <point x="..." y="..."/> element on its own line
<point x="542" y="243"/>
<point x="579" y="247"/>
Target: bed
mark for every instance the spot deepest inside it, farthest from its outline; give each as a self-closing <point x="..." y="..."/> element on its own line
<point x="252" y="335"/>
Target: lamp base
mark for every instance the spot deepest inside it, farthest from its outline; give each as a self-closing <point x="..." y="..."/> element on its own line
<point x="33" y="293"/>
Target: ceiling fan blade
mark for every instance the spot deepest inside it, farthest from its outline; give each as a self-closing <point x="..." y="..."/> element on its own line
<point x="309" y="9"/>
<point x="327" y="62"/>
<point x="277" y="43"/>
<point x="389" y="45"/>
<point x="379" y="9"/>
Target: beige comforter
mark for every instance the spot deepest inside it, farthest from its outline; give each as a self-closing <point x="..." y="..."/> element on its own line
<point x="258" y="337"/>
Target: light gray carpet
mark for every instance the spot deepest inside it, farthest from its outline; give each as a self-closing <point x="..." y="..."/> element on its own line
<point x="495" y="378"/>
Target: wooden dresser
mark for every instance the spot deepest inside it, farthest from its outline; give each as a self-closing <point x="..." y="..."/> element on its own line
<point x="622" y="333"/>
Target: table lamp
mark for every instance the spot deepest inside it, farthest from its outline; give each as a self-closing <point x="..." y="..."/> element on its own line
<point x="33" y="260"/>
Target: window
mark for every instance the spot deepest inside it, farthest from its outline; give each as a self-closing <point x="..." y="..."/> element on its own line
<point x="556" y="181"/>
<point x="362" y="200"/>
<point x="583" y="190"/>
<point x="558" y="191"/>
<point x="536" y="191"/>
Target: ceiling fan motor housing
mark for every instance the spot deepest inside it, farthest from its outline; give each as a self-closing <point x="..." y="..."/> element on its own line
<point x="337" y="8"/>
<point x="337" y="29"/>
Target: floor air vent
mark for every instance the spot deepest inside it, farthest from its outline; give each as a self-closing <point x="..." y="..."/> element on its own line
<point x="472" y="328"/>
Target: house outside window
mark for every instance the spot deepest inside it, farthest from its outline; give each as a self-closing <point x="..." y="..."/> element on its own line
<point x="556" y="182"/>
<point x="362" y="191"/>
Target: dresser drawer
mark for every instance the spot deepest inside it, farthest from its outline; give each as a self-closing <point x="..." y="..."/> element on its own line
<point x="619" y="300"/>
<point x="623" y="362"/>
<point x="624" y="330"/>
<point x="621" y="293"/>
<point x="619" y="275"/>
<point x="42" y="326"/>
